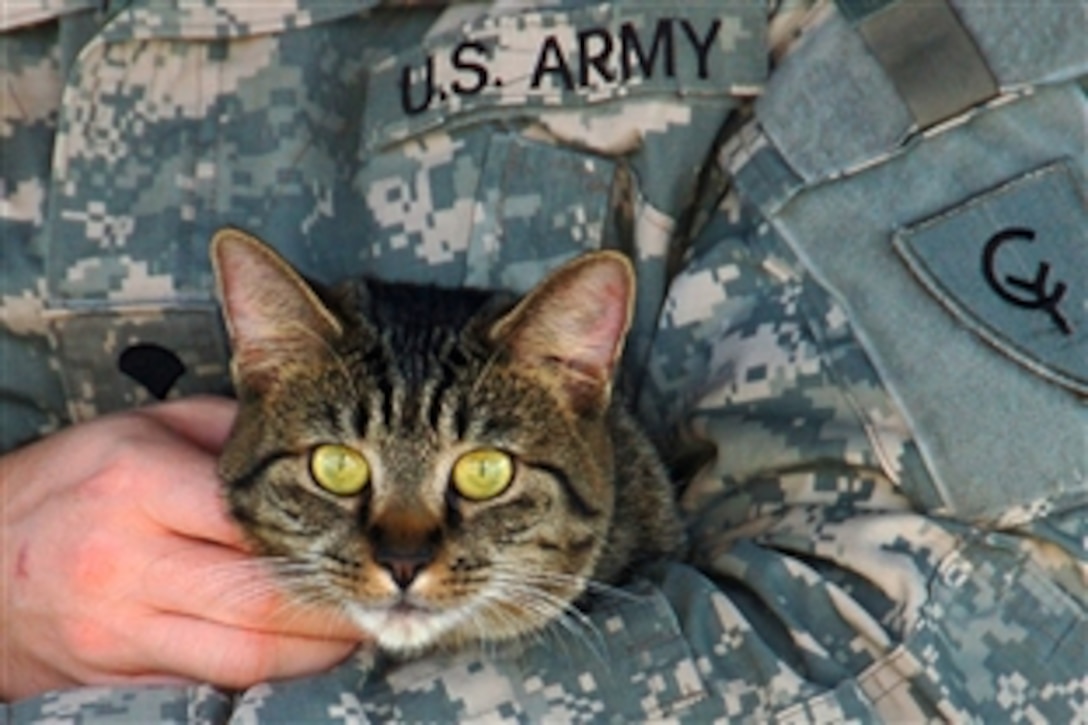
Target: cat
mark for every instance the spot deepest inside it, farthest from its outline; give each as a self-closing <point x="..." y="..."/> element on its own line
<point x="445" y="467"/>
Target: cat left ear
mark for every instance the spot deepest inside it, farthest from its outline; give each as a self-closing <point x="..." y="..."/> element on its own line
<point x="572" y="326"/>
<point x="273" y="316"/>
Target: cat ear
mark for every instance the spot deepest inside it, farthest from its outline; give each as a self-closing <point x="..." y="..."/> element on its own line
<point x="571" y="327"/>
<point x="273" y="316"/>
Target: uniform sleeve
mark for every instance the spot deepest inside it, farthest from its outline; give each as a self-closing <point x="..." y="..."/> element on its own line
<point x="822" y="394"/>
<point x="802" y="490"/>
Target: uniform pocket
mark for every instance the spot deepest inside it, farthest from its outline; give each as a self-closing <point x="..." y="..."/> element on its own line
<point x="518" y="135"/>
<point x="117" y="357"/>
<point x="537" y="205"/>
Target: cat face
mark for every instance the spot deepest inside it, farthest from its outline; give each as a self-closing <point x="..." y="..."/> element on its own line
<point x="435" y="464"/>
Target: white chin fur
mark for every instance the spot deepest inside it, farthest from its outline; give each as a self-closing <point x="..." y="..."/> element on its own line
<point x="403" y="632"/>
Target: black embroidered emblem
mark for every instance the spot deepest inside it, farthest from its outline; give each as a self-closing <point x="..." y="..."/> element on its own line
<point x="152" y="366"/>
<point x="1033" y="294"/>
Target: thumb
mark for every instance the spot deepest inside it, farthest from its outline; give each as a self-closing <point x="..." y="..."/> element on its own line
<point x="203" y="420"/>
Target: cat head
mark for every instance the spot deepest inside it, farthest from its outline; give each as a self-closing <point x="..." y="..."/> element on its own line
<point x="436" y="464"/>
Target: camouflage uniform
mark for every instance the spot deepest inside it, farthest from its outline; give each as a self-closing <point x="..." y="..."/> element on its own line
<point x="861" y="333"/>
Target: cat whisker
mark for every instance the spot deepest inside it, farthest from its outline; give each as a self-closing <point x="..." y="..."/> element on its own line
<point x="523" y="590"/>
<point x="257" y="578"/>
<point x="593" y="587"/>
<point x="236" y="574"/>
<point x="295" y="584"/>
<point x="564" y="620"/>
<point x="589" y="586"/>
<point x="496" y="609"/>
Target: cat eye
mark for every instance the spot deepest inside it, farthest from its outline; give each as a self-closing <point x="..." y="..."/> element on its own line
<point x="482" y="474"/>
<point x="339" y="469"/>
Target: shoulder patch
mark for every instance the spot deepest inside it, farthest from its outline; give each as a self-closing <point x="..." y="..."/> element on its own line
<point x="1012" y="264"/>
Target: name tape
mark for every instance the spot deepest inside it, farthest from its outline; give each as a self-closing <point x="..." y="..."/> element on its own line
<point x="573" y="58"/>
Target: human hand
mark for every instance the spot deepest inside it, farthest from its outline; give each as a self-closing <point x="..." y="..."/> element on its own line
<point x="119" y="564"/>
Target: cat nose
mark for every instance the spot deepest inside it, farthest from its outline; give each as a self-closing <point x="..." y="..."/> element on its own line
<point x="403" y="554"/>
<point x="404" y="568"/>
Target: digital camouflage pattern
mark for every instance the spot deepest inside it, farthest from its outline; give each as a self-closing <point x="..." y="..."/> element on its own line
<point x="841" y="571"/>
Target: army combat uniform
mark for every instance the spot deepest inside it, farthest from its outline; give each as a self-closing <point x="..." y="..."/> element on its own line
<point x="861" y="335"/>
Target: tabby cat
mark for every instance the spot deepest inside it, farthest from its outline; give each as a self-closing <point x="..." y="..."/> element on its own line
<point x="444" y="466"/>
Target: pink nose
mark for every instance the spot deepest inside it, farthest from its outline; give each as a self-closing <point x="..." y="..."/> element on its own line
<point x="405" y="569"/>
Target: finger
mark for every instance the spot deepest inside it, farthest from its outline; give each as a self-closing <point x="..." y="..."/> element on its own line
<point x="149" y="679"/>
<point x="224" y="586"/>
<point x="203" y="420"/>
<point x="236" y="658"/>
<point x="182" y="493"/>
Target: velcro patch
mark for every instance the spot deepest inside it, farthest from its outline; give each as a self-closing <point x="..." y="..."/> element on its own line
<point x="1012" y="264"/>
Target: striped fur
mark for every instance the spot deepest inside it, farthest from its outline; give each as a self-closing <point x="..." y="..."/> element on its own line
<point x="413" y="377"/>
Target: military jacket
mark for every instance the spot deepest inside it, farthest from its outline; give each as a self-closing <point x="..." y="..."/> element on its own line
<point x="857" y="229"/>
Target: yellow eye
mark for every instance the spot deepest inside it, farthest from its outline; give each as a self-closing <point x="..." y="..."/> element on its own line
<point x="483" y="473"/>
<point x="339" y="469"/>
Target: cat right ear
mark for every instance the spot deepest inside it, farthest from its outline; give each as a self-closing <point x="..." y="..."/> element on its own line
<point x="570" y="329"/>
<point x="273" y="316"/>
